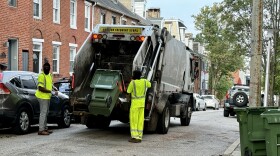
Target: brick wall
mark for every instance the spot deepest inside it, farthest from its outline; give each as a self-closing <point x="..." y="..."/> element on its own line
<point x="18" y="22"/>
<point x="15" y="24"/>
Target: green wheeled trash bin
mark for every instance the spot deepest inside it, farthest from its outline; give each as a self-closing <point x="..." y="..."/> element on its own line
<point x="272" y="131"/>
<point x="251" y="129"/>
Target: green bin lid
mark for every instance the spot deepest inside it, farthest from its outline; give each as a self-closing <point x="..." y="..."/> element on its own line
<point x="105" y="79"/>
<point x="272" y="115"/>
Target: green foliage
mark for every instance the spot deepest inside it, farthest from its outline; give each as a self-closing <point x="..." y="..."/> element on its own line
<point x="226" y="48"/>
<point x="222" y="87"/>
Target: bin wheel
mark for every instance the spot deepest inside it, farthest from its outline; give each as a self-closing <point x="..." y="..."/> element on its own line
<point x="247" y="152"/>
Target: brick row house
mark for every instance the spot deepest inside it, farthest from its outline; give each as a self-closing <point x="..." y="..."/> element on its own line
<point x="33" y="32"/>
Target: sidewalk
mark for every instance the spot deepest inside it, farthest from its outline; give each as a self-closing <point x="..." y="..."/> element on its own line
<point x="233" y="149"/>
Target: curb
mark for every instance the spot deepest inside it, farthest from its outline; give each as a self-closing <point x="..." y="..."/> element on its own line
<point x="232" y="147"/>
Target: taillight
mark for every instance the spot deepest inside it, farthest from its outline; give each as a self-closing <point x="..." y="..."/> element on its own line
<point x="137" y="38"/>
<point x="4" y="89"/>
<point x="99" y="36"/>
<point x="72" y="81"/>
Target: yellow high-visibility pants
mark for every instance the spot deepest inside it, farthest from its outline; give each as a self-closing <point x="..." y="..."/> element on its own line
<point x="136" y="119"/>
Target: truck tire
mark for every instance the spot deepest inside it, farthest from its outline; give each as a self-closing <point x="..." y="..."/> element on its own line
<point x="90" y="122"/>
<point x="226" y="113"/>
<point x="186" y="118"/>
<point x="240" y="99"/>
<point x="23" y="121"/>
<point x="103" y="122"/>
<point x="65" y="119"/>
<point x="151" y="126"/>
<point x="164" y="120"/>
<point x="98" y="122"/>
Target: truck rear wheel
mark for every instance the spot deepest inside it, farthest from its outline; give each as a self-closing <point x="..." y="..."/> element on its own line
<point x="151" y="126"/>
<point x="186" y="118"/>
<point x="164" y="120"/>
<point x="98" y="122"/>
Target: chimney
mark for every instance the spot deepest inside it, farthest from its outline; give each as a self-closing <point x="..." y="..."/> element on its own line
<point x="153" y="13"/>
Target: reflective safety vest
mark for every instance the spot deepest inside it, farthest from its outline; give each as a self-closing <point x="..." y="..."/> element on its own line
<point x="137" y="88"/>
<point x="46" y="82"/>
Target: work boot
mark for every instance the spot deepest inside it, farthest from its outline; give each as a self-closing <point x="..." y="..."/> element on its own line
<point x="133" y="140"/>
<point x="43" y="133"/>
<point x="138" y="140"/>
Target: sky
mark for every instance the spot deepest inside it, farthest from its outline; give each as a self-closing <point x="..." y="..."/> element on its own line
<point x="181" y="9"/>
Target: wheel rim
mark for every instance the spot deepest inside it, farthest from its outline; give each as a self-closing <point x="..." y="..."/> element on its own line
<point x="166" y="118"/>
<point x="24" y="121"/>
<point x="66" y="117"/>
<point x="240" y="98"/>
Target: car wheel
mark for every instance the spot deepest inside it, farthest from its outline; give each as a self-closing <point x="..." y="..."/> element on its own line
<point x="65" y="119"/>
<point x="240" y="99"/>
<point x="226" y="113"/>
<point x="204" y="109"/>
<point x="164" y="120"/>
<point x="22" y="124"/>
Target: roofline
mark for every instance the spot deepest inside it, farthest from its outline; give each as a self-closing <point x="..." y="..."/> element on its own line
<point x="109" y="8"/>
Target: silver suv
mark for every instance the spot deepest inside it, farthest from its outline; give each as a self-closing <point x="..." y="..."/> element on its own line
<point x="238" y="96"/>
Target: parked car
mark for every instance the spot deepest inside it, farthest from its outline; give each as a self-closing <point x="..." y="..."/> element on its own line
<point x="19" y="108"/>
<point x="237" y="96"/>
<point x="199" y="102"/>
<point x="211" y="101"/>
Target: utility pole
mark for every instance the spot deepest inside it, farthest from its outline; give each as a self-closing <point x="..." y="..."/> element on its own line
<point x="267" y="71"/>
<point x="256" y="54"/>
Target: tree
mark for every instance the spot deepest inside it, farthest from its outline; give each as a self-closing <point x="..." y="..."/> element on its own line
<point x="222" y="87"/>
<point x="225" y="54"/>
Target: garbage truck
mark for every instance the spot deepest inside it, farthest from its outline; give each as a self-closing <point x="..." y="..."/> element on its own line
<point x="103" y="69"/>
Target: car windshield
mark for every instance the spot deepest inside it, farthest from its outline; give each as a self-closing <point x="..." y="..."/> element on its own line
<point x="208" y="97"/>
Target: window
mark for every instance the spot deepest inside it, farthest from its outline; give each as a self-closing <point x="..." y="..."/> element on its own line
<point x="28" y="82"/>
<point x="13" y="3"/>
<point x="56" y="11"/>
<point x="72" y="56"/>
<point x="87" y="16"/>
<point x="37" y="9"/>
<point x="37" y="54"/>
<point x="73" y="14"/>
<point x="114" y="20"/>
<point x="103" y="18"/>
<point x="123" y="22"/>
<point x="56" y="50"/>
<point x="16" y="82"/>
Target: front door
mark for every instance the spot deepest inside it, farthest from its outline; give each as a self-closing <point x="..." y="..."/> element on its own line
<point x="13" y="54"/>
<point x="36" y="60"/>
<point x="29" y="87"/>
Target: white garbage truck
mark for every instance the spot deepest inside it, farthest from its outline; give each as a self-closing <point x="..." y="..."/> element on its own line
<point x="103" y="69"/>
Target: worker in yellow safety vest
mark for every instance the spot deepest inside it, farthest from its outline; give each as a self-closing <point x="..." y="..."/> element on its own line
<point x="137" y="89"/>
<point x="43" y="94"/>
